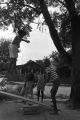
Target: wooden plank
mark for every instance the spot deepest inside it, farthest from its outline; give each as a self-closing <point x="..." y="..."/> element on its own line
<point x="24" y="98"/>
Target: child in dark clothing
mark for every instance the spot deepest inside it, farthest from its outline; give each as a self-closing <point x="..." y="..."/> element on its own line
<point x="29" y="84"/>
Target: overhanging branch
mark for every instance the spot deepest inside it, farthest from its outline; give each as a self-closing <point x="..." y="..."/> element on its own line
<point x="6" y="3"/>
<point x="53" y="32"/>
<point x="35" y="9"/>
<point x="62" y="3"/>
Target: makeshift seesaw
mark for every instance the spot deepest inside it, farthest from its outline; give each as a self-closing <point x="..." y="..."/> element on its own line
<point x="23" y="98"/>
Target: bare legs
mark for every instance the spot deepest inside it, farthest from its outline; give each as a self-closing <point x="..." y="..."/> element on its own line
<point x="42" y="95"/>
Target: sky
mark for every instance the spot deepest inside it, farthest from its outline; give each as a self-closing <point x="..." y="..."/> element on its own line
<point x="40" y="46"/>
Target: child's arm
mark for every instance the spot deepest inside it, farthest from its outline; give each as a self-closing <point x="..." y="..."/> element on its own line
<point x="26" y="41"/>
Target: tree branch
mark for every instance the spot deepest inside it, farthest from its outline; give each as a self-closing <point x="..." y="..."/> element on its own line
<point x="53" y="32"/>
<point x="35" y="9"/>
<point x="62" y="3"/>
<point x="6" y="3"/>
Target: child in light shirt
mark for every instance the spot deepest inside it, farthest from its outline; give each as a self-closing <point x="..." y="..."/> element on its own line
<point x="14" y="49"/>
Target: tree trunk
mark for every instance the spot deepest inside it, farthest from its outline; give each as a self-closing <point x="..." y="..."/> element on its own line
<point x="54" y="35"/>
<point x="75" y="46"/>
<point x="75" y="89"/>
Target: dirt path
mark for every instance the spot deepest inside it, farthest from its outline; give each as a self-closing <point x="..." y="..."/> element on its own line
<point x="12" y="111"/>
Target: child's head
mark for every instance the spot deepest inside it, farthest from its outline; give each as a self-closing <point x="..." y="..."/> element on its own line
<point x="22" y="33"/>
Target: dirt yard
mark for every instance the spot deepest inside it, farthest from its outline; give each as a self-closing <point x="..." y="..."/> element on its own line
<point x="12" y="110"/>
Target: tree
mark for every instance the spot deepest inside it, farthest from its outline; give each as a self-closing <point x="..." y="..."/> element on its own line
<point x="53" y="31"/>
<point x="4" y="53"/>
<point x="46" y="62"/>
<point x="18" y="11"/>
<point x="75" y="23"/>
<point x="4" y="50"/>
<point x="55" y="58"/>
<point x="40" y="62"/>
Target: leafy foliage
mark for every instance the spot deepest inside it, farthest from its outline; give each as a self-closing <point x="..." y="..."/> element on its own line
<point x="4" y="50"/>
<point x="55" y="57"/>
<point x="40" y="62"/>
<point x="18" y="13"/>
<point x="65" y="31"/>
<point x="46" y="62"/>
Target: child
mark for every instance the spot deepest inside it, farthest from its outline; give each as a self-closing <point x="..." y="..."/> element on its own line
<point x="30" y="83"/>
<point x="40" y="86"/>
<point x="54" y="90"/>
<point x="55" y="86"/>
<point x="14" y="49"/>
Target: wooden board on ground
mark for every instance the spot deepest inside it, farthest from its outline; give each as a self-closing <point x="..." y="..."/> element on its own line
<point x="23" y="98"/>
